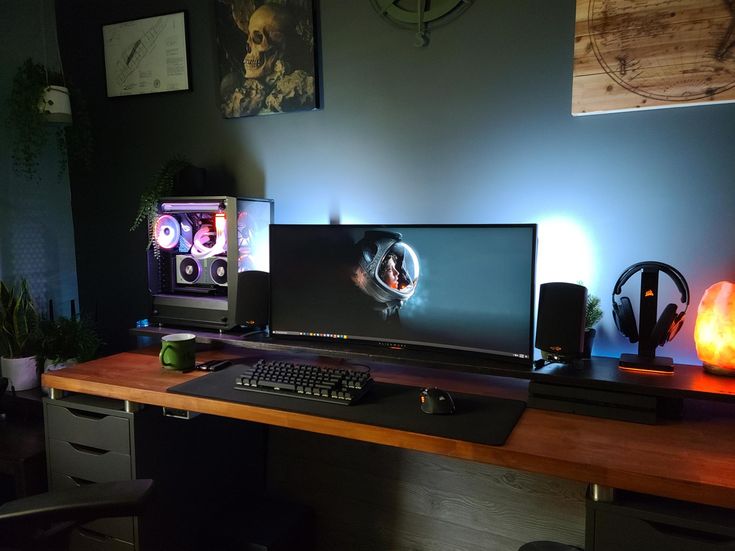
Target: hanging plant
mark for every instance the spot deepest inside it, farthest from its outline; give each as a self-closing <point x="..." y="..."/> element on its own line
<point x="25" y="119"/>
<point x="28" y="121"/>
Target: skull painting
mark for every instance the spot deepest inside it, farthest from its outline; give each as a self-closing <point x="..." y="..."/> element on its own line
<point x="266" y="40"/>
<point x="267" y="56"/>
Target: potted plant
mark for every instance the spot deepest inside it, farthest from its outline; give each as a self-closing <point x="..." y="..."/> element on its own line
<point x="67" y="341"/>
<point x="592" y="316"/>
<point x="162" y="185"/>
<point x="18" y="336"/>
<point x="37" y="98"/>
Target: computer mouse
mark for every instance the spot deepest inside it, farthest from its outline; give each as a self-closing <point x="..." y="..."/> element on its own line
<point x="436" y="401"/>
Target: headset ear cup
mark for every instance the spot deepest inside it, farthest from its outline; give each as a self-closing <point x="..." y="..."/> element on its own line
<point x="676" y="325"/>
<point x="626" y="320"/>
<point x="664" y="325"/>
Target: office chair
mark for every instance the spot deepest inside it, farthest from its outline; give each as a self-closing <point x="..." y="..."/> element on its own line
<point x="43" y="522"/>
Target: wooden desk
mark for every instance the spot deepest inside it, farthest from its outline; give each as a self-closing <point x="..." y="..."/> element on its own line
<point x="691" y="460"/>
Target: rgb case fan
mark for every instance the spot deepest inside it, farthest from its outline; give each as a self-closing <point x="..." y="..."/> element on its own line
<point x="208" y="263"/>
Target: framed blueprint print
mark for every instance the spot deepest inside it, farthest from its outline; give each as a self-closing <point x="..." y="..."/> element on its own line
<point x="146" y="56"/>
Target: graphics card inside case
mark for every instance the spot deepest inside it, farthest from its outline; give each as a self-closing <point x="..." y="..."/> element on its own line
<point x="208" y="263"/>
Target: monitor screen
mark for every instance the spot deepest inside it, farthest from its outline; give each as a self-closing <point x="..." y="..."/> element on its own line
<point x="467" y="288"/>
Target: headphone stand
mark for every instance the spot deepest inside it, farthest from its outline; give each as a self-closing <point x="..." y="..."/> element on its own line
<point x="646" y="359"/>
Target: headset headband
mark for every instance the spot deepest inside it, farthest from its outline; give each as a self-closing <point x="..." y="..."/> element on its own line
<point x="672" y="272"/>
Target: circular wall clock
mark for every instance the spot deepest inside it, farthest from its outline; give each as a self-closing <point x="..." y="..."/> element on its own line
<point x="420" y="14"/>
<point x="668" y="50"/>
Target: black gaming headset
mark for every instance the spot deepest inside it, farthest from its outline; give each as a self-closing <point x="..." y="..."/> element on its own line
<point x="670" y="320"/>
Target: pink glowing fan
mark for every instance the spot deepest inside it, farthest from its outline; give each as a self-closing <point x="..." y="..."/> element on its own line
<point x="167" y="231"/>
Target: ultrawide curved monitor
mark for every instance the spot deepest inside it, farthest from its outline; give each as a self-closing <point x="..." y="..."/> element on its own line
<point x="460" y="288"/>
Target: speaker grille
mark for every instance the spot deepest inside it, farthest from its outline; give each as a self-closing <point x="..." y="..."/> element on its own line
<point x="561" y="318"/>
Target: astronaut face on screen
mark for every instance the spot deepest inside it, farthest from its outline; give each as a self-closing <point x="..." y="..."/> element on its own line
<point x="387" y="271"/>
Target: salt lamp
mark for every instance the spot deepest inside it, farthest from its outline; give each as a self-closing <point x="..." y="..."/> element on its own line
<point x="714" y="331"/>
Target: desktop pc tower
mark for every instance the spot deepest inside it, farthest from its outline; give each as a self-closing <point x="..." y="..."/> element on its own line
<point x="208" y="262"/>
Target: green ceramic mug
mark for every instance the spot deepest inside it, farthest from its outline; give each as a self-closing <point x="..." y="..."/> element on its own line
<point x="177" y="351"/>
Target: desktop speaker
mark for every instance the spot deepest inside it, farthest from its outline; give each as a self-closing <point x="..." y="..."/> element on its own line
<point x="561" y="318"/>
<point x="253" y="302"/>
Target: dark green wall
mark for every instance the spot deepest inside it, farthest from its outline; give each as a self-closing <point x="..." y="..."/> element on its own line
<point x="474" y="128"/>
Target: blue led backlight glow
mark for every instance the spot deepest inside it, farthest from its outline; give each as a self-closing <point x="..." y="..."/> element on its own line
<point x="565" y="252"/>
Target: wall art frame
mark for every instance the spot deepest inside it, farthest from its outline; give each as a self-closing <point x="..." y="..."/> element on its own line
<point x="644" y="54"/>
<point x="268" y="54"/>
<point x="149" y="55"/>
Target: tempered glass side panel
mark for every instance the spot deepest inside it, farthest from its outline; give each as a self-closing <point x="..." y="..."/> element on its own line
<point x="253" y="219"/>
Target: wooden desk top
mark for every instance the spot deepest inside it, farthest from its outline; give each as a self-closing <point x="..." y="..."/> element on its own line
<point x="692" y="460"/>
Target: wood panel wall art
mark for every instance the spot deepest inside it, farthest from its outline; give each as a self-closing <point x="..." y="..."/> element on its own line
<point x="639" y="54"/>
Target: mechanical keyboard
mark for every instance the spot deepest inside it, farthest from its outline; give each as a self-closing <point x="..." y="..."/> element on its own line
<point x="336" y="385"/>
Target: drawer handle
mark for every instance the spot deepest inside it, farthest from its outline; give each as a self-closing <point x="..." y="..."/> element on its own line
<point x="86" y="414"/>
<point x="690" y="533"/>
<point x="92" y="535"/>
<point x="79" y="481"/>
<point x="88" y="449"/>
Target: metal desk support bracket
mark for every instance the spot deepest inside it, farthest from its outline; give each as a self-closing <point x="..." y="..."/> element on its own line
<point x="55" y="394"/>
<point x="600" y="493"/>
<point x="131" y="407"/>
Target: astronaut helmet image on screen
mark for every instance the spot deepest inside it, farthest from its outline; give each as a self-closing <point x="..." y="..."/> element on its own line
<point x="387" y="271"/>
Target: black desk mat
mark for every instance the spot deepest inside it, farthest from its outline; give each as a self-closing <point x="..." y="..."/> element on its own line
<point x="479" y="419"/>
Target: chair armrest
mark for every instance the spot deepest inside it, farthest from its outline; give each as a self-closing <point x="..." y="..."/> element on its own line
<point x="100" y="500"/>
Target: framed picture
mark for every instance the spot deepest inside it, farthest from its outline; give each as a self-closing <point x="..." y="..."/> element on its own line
<point x="267" y="56"/>
<point x="651" y="54"/>
<point x="147" y="56"/>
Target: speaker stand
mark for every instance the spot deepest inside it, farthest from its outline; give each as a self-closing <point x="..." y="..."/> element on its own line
<point x="661" y="364"/>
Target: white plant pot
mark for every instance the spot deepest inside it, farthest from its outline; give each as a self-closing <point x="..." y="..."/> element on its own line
<point x="56" y="104"/>
<point x="50" y="366"/>
<point x="21" y="372"/>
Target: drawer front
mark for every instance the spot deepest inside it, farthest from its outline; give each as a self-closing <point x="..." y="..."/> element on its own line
<point x="89" y="464"/>
<point x="106" y="432"/>
<point x="122" y="528"/>
<point x="86" y="540"/>
<point x="615" y="532"/>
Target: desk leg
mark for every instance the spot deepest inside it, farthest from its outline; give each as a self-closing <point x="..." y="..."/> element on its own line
<point x="601" y="493"/>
